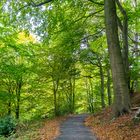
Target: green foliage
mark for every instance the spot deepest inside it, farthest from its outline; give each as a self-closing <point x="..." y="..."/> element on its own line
<point x="70" y="43"/>
<point x="7" y="125"/>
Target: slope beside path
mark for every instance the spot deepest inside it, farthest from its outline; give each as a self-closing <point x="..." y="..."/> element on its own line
<point x="74" y="129"/>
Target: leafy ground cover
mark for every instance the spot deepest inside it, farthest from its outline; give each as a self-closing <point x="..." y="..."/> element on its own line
<point x="106" y="128"/>
<point x="51" y="129"/>
<point x="38" y="130"/>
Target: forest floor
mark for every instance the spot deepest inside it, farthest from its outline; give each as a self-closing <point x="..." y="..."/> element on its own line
<point x="103" y="126"/>
<point x="46" y="129"/>
<point x="51" y="129"/>
<point x="123" y="128"/>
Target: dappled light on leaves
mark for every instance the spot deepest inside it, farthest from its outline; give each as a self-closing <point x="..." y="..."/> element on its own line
<point x="24" y="38"/>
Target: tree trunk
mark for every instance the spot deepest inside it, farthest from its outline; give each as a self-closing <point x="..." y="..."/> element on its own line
<point x="108" y="87"/>
<point x="102" y="83"/>
<point x="91" y="96"/>
<point x="9" y="101"/>
<point x="70" y="96"/>
<point x="136" y="36"/>
<point x="73" y="94"/>
<point x="9" y="108"/>
<point x="125" y="49"/>
<point x="18" y="107"/>
<point x="55" y="89"/>
<point x="121" y="93"/>
<point x="18" y="91"/>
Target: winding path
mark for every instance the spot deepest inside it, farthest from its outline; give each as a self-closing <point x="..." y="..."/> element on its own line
<point x="74" y="129"/>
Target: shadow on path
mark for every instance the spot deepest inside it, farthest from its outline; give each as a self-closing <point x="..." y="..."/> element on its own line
<point x="74" y="129"/>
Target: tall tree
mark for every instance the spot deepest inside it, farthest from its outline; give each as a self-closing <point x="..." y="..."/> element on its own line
<point x="121" y="97"/>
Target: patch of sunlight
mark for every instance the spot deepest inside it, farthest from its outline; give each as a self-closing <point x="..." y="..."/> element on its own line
<point x="24" y="38"/>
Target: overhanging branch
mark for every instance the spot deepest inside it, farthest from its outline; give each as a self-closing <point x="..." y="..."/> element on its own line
<point x="121" y="8"/>
<point x="90" y="15"/>
<point x="119" y="23"/>
<point x="40" y="4"/>
<point x="33" y="4"/>
<point x="98" y="3"/>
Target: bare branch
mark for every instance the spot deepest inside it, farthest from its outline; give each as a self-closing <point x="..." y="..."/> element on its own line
<point x="94" y="64"/>
<point x="119" y="23"/>
<point x="134" y="41"/>
<point x="98" y="3"/>
<point x="40" y="4"/>
<point x="95" y="34"/>
<point x="27" y="5"/>
<point x="121" y="8"/>
<point x="33" y="4"/>
<point x="90" y="15"/>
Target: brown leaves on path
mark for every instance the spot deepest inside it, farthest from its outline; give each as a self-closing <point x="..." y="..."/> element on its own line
<point x="122" y="128"/>
<point x="50" y="129"/>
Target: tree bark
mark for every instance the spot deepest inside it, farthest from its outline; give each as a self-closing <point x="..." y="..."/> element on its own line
<point x="102" y="83"/>
<point x="108" y="87"/>
<point x="91" y="96"/>
<point x="125" y="49"/>
<point x="9" y="101"/>
<point x="121" y="93"/>
<point x="55" y="89"/>
<point x="73" y="94"/>
<point x="18" y="92"/>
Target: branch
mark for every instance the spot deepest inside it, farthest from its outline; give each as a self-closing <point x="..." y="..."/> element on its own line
<point x="121" y="8"/>
<point x="98" y="3"/>
<point x="133" y="40"/>
<point x="119" y="23"/>
<point x="33" y="4"/>
<point x="83" y="17"/>
<point x="88" y="76"/>
<point x="27" y="5"/>
<point x="95" y="34"/>
<point x="40" y="4"/>
<point x="91" y="14"/>
<point x="94" y="64"/>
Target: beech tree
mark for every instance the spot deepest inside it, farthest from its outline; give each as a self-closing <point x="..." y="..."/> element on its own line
<point x="121" y="92"/>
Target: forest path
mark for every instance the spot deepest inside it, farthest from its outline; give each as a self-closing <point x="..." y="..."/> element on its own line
<point x="74" y="129"/>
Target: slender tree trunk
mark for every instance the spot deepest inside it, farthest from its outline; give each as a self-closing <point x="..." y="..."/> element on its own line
<point x="73" y="94"/>
<point x="125" y="49"/>
<point x="88" y="94"/>
<point x="108" y="87"/>
<point x="18" y="106"/>
<point x="9" y="102"/>
<point x="18" y="91"/>
<point x="55" y="102"/>
<point x="102" y="83"/>
<point x="91" y="97"/>
<point x="9" y="108"/>
<point x="121" y="93"/>
<point x="55" y="89"/>
<point x="136" y="36"/>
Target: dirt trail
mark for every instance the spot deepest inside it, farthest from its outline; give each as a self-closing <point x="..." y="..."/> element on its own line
<point x="74" y="129"/>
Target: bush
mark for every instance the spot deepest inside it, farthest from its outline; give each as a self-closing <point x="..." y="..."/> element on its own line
<point x="7" y="126"/>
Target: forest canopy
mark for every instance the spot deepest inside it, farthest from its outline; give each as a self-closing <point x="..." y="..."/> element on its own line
<point x="68" y="56"/>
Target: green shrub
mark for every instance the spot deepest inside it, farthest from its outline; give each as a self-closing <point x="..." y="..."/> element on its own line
<point x="7" y="126"/>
